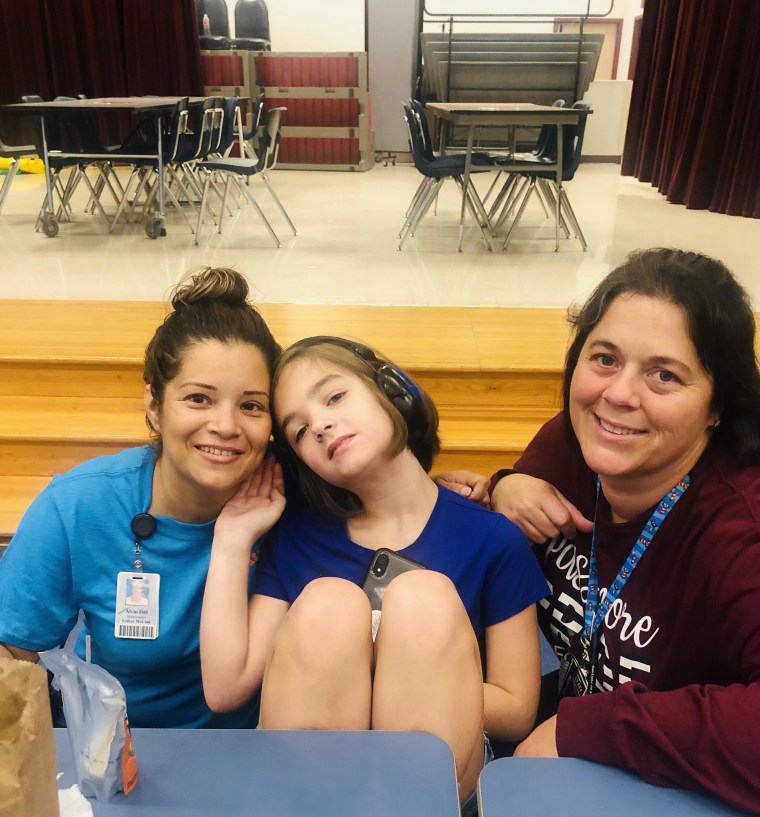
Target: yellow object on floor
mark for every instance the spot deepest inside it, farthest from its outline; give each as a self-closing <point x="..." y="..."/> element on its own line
<point x="31" y="164"/>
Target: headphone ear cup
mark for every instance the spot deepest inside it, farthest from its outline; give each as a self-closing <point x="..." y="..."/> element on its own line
<point x="404" y="395"/>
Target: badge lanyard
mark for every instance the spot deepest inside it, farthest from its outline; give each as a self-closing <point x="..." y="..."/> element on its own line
<point x="595" y="610"/>
<point x="137" y="593"/>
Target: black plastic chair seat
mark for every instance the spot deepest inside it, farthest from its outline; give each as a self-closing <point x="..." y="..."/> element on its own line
<point x="251" y="44"/>
<point x="215" y="43"/>
<point x="234" y="164"/>
<point x="452" y="165"/>
<point x="16" y="151"/>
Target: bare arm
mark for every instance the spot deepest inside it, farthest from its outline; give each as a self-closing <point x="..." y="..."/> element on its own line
<point x="537" y="508"/>
<point x="237" y="636"/>
<point x="513" y="679"/>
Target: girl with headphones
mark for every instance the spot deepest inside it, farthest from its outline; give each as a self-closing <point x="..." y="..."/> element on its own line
<point x="455" y="651"/>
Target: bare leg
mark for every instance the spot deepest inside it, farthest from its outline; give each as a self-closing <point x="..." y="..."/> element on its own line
<point x="428" y="675"/>
<point x="320" y="672"/>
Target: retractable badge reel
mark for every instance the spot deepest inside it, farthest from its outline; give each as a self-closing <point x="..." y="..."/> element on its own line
<point x="137" y="593"/>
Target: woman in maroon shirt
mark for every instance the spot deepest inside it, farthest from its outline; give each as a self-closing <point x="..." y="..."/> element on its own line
<point x="643" y="499"/>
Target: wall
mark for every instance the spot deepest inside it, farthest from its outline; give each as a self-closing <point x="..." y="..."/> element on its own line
<point x="304" y="25"/>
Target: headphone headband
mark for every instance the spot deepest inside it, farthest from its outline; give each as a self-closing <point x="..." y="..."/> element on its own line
<point x="397" y="386"/>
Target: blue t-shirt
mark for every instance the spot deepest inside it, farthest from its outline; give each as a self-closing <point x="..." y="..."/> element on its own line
<point x="71" y="544"/>
<point x="484" y="554"/>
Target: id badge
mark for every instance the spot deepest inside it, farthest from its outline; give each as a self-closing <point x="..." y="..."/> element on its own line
<point x="137" y="605"/>
<point x="573" y="678"/>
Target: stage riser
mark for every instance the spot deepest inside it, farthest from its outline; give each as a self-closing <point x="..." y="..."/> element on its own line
<point x="71" y="379"/>
<point x="540" y="391"/>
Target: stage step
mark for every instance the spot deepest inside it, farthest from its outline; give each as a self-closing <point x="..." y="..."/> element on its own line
<point x="71" y="378"/>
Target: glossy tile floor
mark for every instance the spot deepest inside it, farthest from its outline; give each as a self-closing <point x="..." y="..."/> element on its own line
<point x="345" y="250"/>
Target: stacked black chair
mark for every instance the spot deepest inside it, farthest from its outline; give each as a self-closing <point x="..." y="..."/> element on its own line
<point x="213" y="25"/>
<point x="238" y="169"/>
<point x="545" y="146"/>
<point x="144" y="170"/>
<point x="534" y="177"/>
<point x="435" y="170"/>
<point x="215" y="14"/>
<point x="251" y="25"/>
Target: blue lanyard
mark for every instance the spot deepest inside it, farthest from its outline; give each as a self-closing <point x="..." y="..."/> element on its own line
<point x="596" y="611"/>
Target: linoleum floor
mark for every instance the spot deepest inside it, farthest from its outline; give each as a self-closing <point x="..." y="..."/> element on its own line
<point x="345" y="251"/>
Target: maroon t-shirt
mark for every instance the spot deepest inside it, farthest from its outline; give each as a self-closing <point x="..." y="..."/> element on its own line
<point x="680" y="661"/>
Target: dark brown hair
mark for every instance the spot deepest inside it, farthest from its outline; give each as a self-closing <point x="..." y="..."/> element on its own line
<point x="211" y="305"/>
<point x="721" y="327"/>
<point x="424" y="444"/>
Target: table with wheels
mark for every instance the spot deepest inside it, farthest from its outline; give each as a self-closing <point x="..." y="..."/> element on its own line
<point x="160" y="107"/>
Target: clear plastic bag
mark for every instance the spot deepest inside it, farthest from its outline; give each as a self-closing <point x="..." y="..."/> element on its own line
<point x="96" y="719"/>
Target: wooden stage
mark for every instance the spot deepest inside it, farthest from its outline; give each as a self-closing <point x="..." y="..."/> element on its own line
<point x="72" y="377"/>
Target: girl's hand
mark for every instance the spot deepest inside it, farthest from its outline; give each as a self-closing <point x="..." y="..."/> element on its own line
<point x="257" y="505"/>
<point x="537" y="508"/>
<point x="465" y="483"/>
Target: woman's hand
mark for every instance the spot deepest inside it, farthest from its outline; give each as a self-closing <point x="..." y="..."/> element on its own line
<point x="541" y="742"/>
<point x="537" y="508"/>
<point x="257" y="505"/>
<point x="465" y="483"/>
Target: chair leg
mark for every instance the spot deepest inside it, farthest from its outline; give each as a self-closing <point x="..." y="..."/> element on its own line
<point x="277" y="201"/>
<point x="202" y="207"/>
<point x="523" y="204"/>
<point x="423" y="205"/>
<point x="502" y="194"/>
<point x="549" y="192"/>
<point x="475" y="206"/>
<point x="8" y="181"/>
<point x="247" y="193"/>
<point x="565" y="204"/>
<point x="496" y="178"/>
<point x="95" y="199"/>
<point x="485" y="221"/>
<point x="418" y="193"/>
<point x="517" y="188"/>
<point x="419" y="196"/>
<point x="540" y="193"/>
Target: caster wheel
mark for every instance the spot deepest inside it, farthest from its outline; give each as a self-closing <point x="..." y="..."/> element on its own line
<point x="50" y="226"/>
<point x="154" y="228"/>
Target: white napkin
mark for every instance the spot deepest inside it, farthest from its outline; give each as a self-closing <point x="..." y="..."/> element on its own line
<point x="72" y="803"/>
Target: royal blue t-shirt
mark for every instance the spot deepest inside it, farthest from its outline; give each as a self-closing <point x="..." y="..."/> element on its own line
<point x="484" y="554"/>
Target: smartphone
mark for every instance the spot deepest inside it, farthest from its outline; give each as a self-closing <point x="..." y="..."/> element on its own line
<point x="385" y="566"/>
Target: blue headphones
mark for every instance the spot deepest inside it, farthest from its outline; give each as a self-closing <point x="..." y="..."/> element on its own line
<point x="398" y="387"/>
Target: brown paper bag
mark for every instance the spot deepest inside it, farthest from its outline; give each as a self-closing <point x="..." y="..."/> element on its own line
<point x="27" y="749"/>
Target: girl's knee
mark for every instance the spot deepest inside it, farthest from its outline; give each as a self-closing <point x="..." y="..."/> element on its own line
<point x="424" y="603"/>
<point x="329" y="614"/>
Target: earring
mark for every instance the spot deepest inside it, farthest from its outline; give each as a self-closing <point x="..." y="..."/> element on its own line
<point x="717" y="423"/>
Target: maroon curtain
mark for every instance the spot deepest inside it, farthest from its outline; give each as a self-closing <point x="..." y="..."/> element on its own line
<point x="694" y="124"/>
<point x="96" y="48"/>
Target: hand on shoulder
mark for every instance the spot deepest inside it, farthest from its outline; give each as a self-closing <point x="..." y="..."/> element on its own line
<point x="537" y="508"/>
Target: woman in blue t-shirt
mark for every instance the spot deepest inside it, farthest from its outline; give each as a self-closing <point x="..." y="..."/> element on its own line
<point x="124" y="540"/>
<point x="364" y="437"/>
